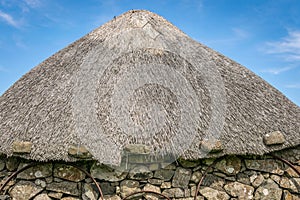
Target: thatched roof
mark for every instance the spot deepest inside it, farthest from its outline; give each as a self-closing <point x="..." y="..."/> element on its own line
<point x="139" y="80"/>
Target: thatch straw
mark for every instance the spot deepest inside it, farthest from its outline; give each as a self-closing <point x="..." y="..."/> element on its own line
<point x="140" y="80"/>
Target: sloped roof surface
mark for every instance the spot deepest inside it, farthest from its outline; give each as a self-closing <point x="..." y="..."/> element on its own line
<point x="139" y="80"/>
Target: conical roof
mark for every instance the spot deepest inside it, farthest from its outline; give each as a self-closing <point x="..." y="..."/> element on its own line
<point x="139" y="80"/>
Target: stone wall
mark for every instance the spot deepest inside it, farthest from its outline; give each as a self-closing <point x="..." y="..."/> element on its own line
<point x="233" y="177"/>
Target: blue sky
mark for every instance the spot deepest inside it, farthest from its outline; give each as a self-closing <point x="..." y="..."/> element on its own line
<point x="263" y="35"/>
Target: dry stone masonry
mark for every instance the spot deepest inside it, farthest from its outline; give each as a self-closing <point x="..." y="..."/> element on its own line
<point x="232" y="177"/>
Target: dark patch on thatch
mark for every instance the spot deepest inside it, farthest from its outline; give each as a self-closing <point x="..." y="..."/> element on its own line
<point x="39" y="107"/>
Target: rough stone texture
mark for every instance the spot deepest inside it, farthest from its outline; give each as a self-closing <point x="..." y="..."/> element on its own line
<point x="140" y="173"/>
<point x="55" y="195"/>
<point x="112" y="197"/>
<point x="89" y="192"/>
<point x="24" y="190"/>
<point x="229" y="166"/>
<point x="65" y="187"/>
<point x="257" y="180"/>
<point x="68" y="172"/>
<point x="267" y="165"/>
<point x="292" y="172"/>
<point x="79" y="152"/>
<point x="196" y="176"/>
<point x="268" y="190"/>
<point x="128" y="186"/>
<point x="166" y="185"/>
<point x="174" y="192"/>
<point x="212" y="194"/>
<point x="188" y="163"/>
<point x="2" y="164"/>
<point x="12" y="163"/>
<point x="42" y="197"/>
<point x="217" y="184"/>
<point x="106" y="173"/>
<point x="164" y="174"/>
<point x="288" y="196"/>
<point x="273" y="138"/>
<point x="181" y="177"/>
<point x="107" y="188"/>
<point x="155" y="181"/>
<point x="149" y="187"/>
<point x="239" y="190"/>
<point x="38" y="171"/>
<point x="21" y="147"/>
<point x="70" y="198"/>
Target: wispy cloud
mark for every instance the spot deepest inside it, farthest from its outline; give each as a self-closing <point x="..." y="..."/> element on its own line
<point x="279" y="70"/>
<point x="3" y="69"/>
<point x="294" y="86"/>
<point x="33" y="3"/>
<point x="9" y="19"/>
<point x="288" y="47"/>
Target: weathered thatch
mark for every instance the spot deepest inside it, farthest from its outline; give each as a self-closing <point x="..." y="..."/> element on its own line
<point x="139" y="80"/>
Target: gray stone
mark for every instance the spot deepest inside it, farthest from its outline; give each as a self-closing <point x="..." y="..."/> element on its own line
<point x="112" y="197"/>
<point x="65" y="187"/>
<point x="79" y="151"/>
<point x="257" y="180"/>
<point x="38" y="171"/>
<point x="169" y="166"/>
<point x="268" y="190"/>
<point x="291" y="172"/>
<point x="292" y="184"/>
<point x="68" y="172"/>
<point x="12" y="164"/>
<point x="212" y="194"/>
<point x="4" y="197"/>
<point x="288" y="196"/>
<point x="196" y="177"/>
<point x="181" y="177"/>
<point x="106" y="173"/>
<point x="42" y="197"/>
<point x="243" y="178"/>
<point x="128" y="186"/>
<point x="21" y="147"/>
<point x="140" y="173"/>
<point x="40" y="182"/>
<point x="149" y="187"/>
<point x="267" y="165"/>
<point x="24" y="190"/>
<point x="155" y="181"/>
<point x="188" y="163"/>
<point x="273" y="138"/>
<point x="89" y="193"/>
<point x="239" y="190"/>
<point x="164" y="174"/>
<point x="107" y="188"/>
<point x="229" y="165"/>
<point x="210" y="179"/>
<point x="166" y="185"/>
<point x="2" y="164"/>
<point x="173" y="192"/>
<point x="70" y="198"/>
<point x="55" y="195"/>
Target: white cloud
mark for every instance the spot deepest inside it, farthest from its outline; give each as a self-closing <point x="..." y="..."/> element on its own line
<point x="9" y="19"/>
<point x="278" y="70"/>
<point x="288" y="47"/>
